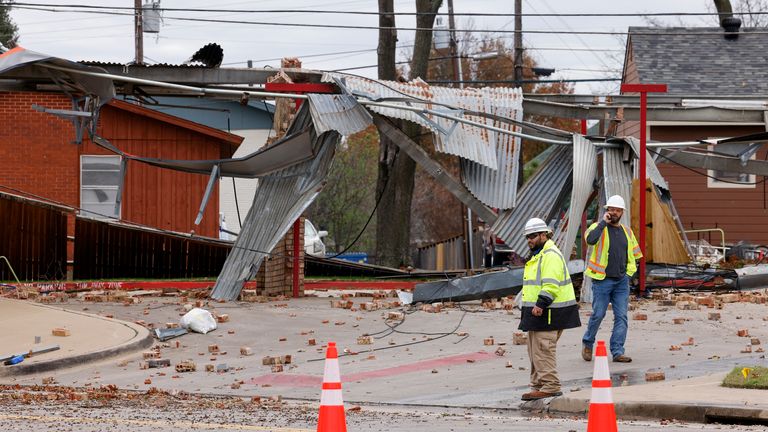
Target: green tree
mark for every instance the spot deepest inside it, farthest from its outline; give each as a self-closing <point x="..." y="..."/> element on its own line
<point x="8" y="30"/>
<point x="347" y="200"/>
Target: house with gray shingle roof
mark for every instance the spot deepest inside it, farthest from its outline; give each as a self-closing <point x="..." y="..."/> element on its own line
<point x="701" y="66"/>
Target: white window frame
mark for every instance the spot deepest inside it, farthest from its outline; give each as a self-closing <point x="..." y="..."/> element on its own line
<point x="714" y="183"/>
<point x="84" y="211"/>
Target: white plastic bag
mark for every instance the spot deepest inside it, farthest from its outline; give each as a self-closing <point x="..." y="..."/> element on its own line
<point x="199" y="321"/>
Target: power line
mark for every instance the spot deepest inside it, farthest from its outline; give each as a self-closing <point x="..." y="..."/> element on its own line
<point x="361" y="27"/>
<point x="374" y="13"/>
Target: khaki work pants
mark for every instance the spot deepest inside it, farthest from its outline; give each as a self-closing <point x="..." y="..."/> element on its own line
<point x="542" y="350"/>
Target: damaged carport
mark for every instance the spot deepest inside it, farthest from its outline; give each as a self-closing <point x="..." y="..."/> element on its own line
<point x="483" y="127"/>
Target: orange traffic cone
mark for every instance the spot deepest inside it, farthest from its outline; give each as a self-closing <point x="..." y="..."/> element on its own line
<point x="331" y="403"/>
<point x="602" y="415"/>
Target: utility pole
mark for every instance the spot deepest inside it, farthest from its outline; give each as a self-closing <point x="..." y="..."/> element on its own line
<point x="518" y="42"/>
<point x="518" y="53"/>
<point x="139" y="32"/>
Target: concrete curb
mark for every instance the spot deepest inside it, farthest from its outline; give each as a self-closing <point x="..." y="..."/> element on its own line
<point x="141" y="340"/>
<point x="700" y="412"/>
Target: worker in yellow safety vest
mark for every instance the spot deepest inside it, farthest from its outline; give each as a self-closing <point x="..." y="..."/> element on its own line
<point x="611" y="263"/>
<point x="548" y="307"/>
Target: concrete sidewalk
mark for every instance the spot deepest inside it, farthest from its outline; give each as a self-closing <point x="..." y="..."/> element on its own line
<point x="699" y="399"/>
<point x="428" y="360"/>
<point x="92" y="337"/>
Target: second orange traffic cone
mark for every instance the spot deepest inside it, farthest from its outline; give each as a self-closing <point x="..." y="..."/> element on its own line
<point x="331" y="403"/>
<point x="602" y="414"/>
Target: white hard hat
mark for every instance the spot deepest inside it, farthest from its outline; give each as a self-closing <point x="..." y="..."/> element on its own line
<point x="535" y="225"/>
<point x="616" y="201"/>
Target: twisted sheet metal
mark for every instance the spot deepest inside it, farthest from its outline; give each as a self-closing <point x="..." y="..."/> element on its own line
<point x="497" y="188"/>
<point x="469" y="142"/>
<point x="339" y="112"/>
<point x="652" y="171"/>
<point x="280" y="199"/>
<point x="538" y="198"/>
<point x="584" y="171"/>
<point x="617" y="179"/>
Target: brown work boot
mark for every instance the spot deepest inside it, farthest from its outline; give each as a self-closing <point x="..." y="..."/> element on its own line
<point x="586" y="353"/>
<point x="535" y="395"/>
<point x="621" y="358"/>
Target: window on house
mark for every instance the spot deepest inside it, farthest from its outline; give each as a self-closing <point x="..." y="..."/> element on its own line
<point x="725" y="179"/>
<point x="99" y="181"/>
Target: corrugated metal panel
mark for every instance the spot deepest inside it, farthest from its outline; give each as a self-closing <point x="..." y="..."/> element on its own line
<point x="617" y="179"/>
<point x="584" y="170"/>
<point x="651" y="169"/>
<point x="338" y="112"/>
<point x="497" y="188"/>
<point x="538" y="198"/>
<point x="469" y="142"/>
<point x="280" y="199"/>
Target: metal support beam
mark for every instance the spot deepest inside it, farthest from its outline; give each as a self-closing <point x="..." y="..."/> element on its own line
<point x="632" y="113"/>
<point x="208" y="191"/>
<point x="433" y="168"/>
<point x="715" y="162"/>
<point x="121" y="184"/>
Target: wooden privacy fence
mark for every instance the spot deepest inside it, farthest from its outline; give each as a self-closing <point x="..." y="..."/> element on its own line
<point x="33" y="237"/>
<point x="449" y="254"/>
<point x="112" y="250"/>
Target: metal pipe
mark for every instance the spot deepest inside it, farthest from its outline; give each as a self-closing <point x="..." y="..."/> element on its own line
<point x="722" y="235"/>
<point x="202" y="90"/>
<point x="465" y="121"/>
<point x="9" y="266"/>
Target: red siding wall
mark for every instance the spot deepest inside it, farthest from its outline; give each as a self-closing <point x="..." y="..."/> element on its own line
<point x="741" y="213"/>
<point x="38" y="157"/>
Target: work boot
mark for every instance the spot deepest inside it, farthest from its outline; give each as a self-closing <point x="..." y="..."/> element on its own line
<point x="535" y="395"/>
<point x="586" y="353"/>
<point x="621" y="358"/>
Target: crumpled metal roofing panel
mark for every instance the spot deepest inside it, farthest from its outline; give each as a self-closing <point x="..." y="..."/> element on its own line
<point x="339" y="112"/>
<point x="469" y="142"/>
<point x="617" y="179"/>
<point x="538" y="197"/>
<point x="496" y="188"/>
<point x="584" y="170"/>
<point x="651" y="170"/>
<point x="280" y="199"/>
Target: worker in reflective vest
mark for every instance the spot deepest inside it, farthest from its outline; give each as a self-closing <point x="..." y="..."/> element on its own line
<point x="548" y="307"/>
<point x="611" y="263"/>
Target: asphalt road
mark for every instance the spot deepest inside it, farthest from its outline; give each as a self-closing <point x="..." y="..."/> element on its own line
<point x="109" y="410"/>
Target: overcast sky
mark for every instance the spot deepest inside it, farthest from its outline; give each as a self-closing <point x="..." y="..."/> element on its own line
<point x="97" y="37"/>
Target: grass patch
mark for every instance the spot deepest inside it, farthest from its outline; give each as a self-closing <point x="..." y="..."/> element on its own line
<point x="757" y="378"/>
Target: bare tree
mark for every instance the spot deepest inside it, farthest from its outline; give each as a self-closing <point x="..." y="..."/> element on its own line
<point x="396" y="171"/>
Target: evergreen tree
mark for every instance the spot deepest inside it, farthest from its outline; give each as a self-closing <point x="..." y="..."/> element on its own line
<point x="8" y="30"/>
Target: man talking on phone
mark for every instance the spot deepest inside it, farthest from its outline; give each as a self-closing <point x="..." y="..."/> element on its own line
<point x="611" y="264"/>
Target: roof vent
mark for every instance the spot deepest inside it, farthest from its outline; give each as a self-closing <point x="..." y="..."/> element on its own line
<point x="731" y="26"/>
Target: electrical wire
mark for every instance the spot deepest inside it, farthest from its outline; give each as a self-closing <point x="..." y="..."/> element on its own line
<point x="362" y="27"/>
<point x="441" y="335"/>
<point x="348" y="12"/>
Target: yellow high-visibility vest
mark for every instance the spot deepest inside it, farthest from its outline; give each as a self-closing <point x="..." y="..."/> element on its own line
<point x="598" y="259"/>
<point x="547" y="274"/>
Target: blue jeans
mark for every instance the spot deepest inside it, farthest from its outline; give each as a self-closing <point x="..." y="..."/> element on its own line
<point x="615" y="292"/>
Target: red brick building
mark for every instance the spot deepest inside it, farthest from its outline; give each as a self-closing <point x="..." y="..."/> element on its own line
<point x="38" y="156"/>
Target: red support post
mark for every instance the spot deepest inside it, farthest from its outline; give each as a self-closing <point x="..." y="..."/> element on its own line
<point x="296" y="256"/>
<point x="643" y="89"/>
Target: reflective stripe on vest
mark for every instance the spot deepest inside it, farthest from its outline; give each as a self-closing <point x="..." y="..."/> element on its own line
<point x="553" y="305"/>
